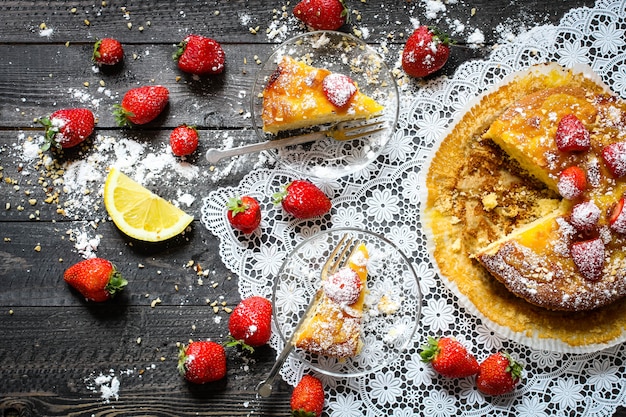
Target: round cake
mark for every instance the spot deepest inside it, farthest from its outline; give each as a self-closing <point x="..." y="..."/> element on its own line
<point x="524" y="207"/>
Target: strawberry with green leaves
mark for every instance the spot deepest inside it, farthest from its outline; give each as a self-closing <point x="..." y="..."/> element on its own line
<point x="184" y="140"/>
<point x="200" y="55"/>
<point x="107" y="51"/>
<point x="307" y="398"/>
<point x="425" y="52"/>
<point x="66" y="128"/>
<point x="250" y="323"/>
<point x="449" y="357"/>
<point x="244" y="213"/>
<point x="499" y="374"/>
<point x="322" y="14"/>
<point x="141" y="105"/>
<point x="303" y="199"/>
<point x="202" y="361"/>
<point x="95" y="278"/>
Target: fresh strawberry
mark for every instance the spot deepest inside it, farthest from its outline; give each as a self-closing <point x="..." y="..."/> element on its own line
<point x="449" y="357"/>
<point x="184" y="140"/>
<point x="338" y="89"/>
<point x="95" y="278"/>
<point x="202" y="361"/>
<point x="244" y="213"/>
<point x="572" y="182"/>
<point x="200" y="55"/>
<point x="307" y="398"/>
<point x="498" y="374"/>
<point x="572" y="135"/>
<point x="303" y="200"/>
<point x="614" y="156"/>
<point x="425" y="52"/>
<point x="250" y="323"/>
<point x="107" y="51"/>
<point x="343" y="287"/>
<point x="588" y="255"/>
<point x="67" y="127"/>
<point x="585" y="216"/>
<point x="617" y="219"/>
<point x="322" y="14"/>
<point x="141" y="105"/>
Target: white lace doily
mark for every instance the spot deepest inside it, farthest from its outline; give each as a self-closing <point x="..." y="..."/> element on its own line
<point x="383" y="198"/>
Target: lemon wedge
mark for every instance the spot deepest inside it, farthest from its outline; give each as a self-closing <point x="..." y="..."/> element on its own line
<point x="140" y="213"/>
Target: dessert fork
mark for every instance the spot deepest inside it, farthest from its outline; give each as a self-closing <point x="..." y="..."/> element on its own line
<point x="340" y="131"/>
<point x="334" y="261"/>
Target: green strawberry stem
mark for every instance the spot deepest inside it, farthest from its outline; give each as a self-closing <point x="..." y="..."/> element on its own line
<point x="514" y="367"/>
<point x="232" y="342"/>
<point x="50" y="133"/>
<point x="179" y="51"/>
<point x="235" y="205"/>
<point x="116" y="283"/>
<point x="96" y="52"/>
<point x="278" y="197"/>
<point x="430" y="350"/>
<point x="122" y="115"/>
<point x="182" y="359"/>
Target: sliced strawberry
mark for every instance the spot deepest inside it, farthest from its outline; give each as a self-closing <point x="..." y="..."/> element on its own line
<point x="572" y="135"/>
<point x="617" y="219"/>
<point x="338" y="89"/>
<point x="572" y="182"/>
<point x="614" y="156"/>
<point x="585" y="216"/>
<point x="588" y="256"/>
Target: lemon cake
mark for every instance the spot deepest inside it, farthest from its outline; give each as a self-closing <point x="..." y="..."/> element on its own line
<point x="525" y="197"/>
<point x="298" y="95"/>
<point x="333" y="325"/>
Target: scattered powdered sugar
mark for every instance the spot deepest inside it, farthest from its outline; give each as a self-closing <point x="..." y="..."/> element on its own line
<point x="84" y="242"/>
<point x="108" y="385"/>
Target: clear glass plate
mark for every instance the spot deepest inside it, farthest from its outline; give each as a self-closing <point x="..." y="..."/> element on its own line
<point x="345" y="54"/>
<point x="390" y="274"/>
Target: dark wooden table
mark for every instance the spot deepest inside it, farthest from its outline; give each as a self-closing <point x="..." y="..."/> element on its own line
<point x="53" y="344"/>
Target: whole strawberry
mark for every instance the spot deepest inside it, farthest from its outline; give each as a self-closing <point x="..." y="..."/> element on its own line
<point x="425" y="52"/>
<point x="449" y="357"/>
<point x="95" y="278"/>
<point x="200" y="55"/>
<point x="498" y="374"/>
<point x="244" y="213"/>
<point x="303" y="200"/>
<point x="250" y="323"/>
<point x="107" y="51"/>
<point x="202" y="361"/>
<point x="66" y="128"/>
<point x="322" y="14"/>
<point x="307" y="398"/>
<point x="184" y="140"/>
<point x="141" y="105"/>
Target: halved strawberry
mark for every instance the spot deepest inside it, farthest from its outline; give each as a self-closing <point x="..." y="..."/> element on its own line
<point x="588" y="255"/>
<point x="614" y="156"/>
<point x="338" y="89"/>
<point x="617" y="219"/>
<point x="572" y="182"/>
<point x="572" y="135"/>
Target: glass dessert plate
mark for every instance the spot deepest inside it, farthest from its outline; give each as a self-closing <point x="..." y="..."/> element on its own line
<point x="388" y="325"/>
<point x="342" y="53"/>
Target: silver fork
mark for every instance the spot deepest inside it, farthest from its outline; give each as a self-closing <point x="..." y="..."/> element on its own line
<point x="334" y="261"/>
<point x="339" y="131"/>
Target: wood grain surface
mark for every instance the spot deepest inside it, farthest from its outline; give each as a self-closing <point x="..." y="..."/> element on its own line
<point x="53" y="345"/>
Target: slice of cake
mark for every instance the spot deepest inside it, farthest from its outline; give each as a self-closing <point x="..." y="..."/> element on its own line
<point x="333" y="325"/>
<point x="298" y="95"/>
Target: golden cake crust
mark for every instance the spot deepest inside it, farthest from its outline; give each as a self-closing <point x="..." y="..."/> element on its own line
<point x="294" y="98"/>
<point x="478" y="195"/>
